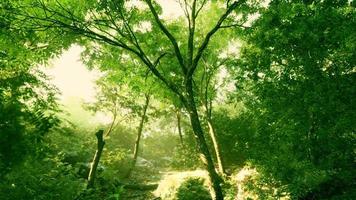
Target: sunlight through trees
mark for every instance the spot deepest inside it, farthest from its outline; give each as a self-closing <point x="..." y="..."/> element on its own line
<point x="199" y="99"/>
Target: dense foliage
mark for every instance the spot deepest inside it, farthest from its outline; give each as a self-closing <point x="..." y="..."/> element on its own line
<point x="259" y="94"/>
<point x="302" y="96"/>
<point x="193" y="189"/>
<point x="27" y="99"/>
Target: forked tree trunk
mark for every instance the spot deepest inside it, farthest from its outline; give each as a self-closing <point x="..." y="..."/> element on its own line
<point x="202" y="144"/>
<point x="96" y="159"/>
<point x="208" y="105"/>
<point x="138" y="138"/>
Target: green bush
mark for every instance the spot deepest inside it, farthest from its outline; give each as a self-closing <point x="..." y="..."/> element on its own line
<point x="116" y="163"/>
<point x="41" y="180"/>
<point x="193" y="189"/>
<point x="185" y="157"/>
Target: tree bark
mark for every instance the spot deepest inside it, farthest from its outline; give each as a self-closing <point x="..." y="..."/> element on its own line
<point x="95" y="162"/>
<point x="179" y="126"/>
<point x="139" y="134"/>
<point x="202" y="145"/>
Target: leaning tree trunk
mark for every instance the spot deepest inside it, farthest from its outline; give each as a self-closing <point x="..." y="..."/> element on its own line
<point x="138" y="138"/>
<point x="208" y="105"/>
<point x="95" y="162"/>
<point x="216" y="146"/>
<point x="202" y="145"/>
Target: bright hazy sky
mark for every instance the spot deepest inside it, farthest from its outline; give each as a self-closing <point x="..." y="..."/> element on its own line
<point x="171" y="9"/>
<point x="71" y="76"/>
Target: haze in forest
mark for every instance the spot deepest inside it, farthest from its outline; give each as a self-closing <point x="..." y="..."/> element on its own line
<point x="177" y="100"/>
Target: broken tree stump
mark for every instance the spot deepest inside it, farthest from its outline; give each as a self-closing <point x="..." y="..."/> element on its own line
<point x="96" y="159"/>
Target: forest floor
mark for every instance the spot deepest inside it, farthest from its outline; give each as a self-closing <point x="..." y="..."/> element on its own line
<point x="168" y="182"/>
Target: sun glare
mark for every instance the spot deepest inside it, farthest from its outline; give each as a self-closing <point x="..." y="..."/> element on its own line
<point x="71" y="76"/>
<point x="171" y="9"/>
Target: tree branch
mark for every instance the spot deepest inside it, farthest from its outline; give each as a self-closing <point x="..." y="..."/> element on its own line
<point x="200" y="8"/>
<point x="158" y="59"/>
<point x="77" y="26"/>
<point x="191" y="35"/>
<point x="210" y="34"/>
<point x="235" y="25"/>
<point x="169" y="35"/>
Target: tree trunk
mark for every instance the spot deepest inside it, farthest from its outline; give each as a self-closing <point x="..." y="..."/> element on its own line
<point x="202" y="145"/>
<point x="208" y="105"/>
<point x="95" y="162"/>
<point x="139" y="134"/>
<point x="179" y="126"/>
<point x="216" y="146"/>
<point x="311" y="139"/>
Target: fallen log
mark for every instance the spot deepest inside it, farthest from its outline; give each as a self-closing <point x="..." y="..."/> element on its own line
<point x="137" y="186"/>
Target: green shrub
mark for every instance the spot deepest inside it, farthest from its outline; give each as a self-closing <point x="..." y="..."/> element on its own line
<point x="41" y="180"/>
<point x="193" y="189"/>
<point x="185" y="157"/>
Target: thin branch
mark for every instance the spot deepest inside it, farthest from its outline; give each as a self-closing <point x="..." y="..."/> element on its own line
<point x="210" y="34"/>
<point x="184" y="7"/>
<point x="191" y="35"/>
<point x="169" y="35"/>
<point x="235" y="25"/>
<point x="158" y="59"/>
<point x="113" y="121"/>
<point x="200" y="8"/>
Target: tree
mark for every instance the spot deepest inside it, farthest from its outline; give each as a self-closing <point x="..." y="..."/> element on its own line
<point x="139" y="132"/>
<point x="296" y="78"/>
<point x="121" y="25"/>
<point x="208" y="86"/>
<point x="120" y="98"/>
